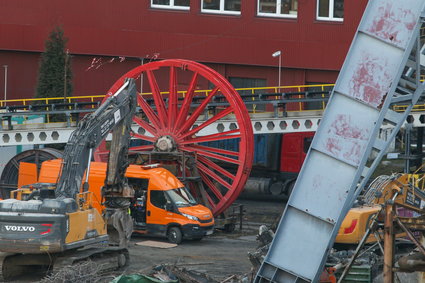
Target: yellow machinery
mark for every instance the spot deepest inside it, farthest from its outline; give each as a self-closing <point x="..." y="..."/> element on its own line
<point x="411" y="195"/>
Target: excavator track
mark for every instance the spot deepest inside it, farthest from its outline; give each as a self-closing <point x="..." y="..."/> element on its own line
<point x="107" y="259"/>
<point x="7" y="269"/>
<point x="13" y="266"/>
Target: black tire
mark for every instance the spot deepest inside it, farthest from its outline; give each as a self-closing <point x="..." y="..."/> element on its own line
<point x="174" y="235"/>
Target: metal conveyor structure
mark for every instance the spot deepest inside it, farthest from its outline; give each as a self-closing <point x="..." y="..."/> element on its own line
<point x="372" y="79"/>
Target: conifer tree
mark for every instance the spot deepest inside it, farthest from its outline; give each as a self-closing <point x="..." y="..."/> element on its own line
<point x="55" y="75"/>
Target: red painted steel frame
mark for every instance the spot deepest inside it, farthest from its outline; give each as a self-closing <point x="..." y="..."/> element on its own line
<point x="176" y="119"/>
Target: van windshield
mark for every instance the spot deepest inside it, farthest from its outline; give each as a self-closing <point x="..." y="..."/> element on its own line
<point x="181" y="197"/>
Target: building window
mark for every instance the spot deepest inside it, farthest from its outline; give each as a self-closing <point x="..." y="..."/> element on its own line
<point x="171" y="4"/>
<point x="222" y="6"/>
<point x="278" y="8"/>
<point x="330" y="10"/>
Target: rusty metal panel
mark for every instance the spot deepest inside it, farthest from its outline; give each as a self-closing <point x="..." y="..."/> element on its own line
<point x="370" y="69"/>
<point x="346" y="130"/>
<point x="392" y="21"/>
<point x="334" y="171"/>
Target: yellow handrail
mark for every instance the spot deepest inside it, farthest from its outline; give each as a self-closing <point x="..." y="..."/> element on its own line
<point x="251" y="90"/>
<point x="93" y="98"/>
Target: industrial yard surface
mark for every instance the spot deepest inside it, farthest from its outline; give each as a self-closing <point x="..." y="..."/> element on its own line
<point x="218" y="256"/>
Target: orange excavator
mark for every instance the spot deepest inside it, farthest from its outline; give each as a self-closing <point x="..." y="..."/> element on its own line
<point x="57" y="224"/>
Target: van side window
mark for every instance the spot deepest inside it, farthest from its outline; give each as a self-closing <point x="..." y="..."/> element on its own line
<point x="158" y="199"/>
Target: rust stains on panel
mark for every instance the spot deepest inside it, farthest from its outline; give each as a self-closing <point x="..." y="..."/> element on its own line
<point x="393" y="23"/>
<point x="346" y="141"/>
<point x="371" y="80"/>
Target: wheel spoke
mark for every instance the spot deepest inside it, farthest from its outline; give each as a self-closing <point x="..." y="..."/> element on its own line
<point x="211" y="203"/>
<point x="141" y="147"/>
<point x="219" y="116"/>
<point x="215" y="137"/>
<point x="145" y="125"/>
<point x="184" y="109"/>
<point x="158" y="100"/>
<point x="216" y="167"/>
<point x="143" y="137"/>
<point x="172" y="98"/>
<point x="189" y="122"/>
<point x="211" y="186"/>
<point x="149" y="113"/>
<point x="210" y="154"/>
<point x="215" y="149"/>
<point x="213" y="175"/>
<point x="223" y="172"/>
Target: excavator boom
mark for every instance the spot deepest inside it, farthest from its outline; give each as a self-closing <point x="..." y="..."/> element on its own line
<point x="49" y="229"/>
<point x="115" y="113"/>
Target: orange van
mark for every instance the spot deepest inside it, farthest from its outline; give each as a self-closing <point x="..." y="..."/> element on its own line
<point x="162" y="205"/>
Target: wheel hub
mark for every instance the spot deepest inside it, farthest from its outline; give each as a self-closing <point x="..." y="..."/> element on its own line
<point x="165" y="144"/>
<point x="175" y="115"/>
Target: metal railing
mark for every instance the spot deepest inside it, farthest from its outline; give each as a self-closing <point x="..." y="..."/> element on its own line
<point x="259" y="100"/>
<point x="94" y="98"/>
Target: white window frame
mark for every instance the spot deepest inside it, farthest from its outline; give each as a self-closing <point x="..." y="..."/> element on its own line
<point x="331" y="13"/>
<point x="276" y="14"/>
<point x="169" y="6"/>
<point x="220" y="11"/>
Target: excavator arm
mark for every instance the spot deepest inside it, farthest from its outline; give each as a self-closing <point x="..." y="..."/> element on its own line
<point x="59" y="227"/>
<point x="114" y="114"/>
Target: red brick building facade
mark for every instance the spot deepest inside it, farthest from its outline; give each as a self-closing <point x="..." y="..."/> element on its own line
<point x="235" y="37"/>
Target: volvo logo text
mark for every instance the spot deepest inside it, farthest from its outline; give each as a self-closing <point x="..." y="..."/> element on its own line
<point x="19" y="228"/>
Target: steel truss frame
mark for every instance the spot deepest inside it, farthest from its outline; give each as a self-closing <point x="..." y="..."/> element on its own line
<point x="373" y="78"/>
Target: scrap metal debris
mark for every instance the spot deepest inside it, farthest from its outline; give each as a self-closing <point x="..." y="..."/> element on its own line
<point x="172" y="273"/>
<point x="265" y="237"/>
<point x="84" y="272"/>
<point x="336" y="262"/>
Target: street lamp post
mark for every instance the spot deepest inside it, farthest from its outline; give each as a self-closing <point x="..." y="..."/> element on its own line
<point x="278" y="54"/>
<point x="5" y="83"/>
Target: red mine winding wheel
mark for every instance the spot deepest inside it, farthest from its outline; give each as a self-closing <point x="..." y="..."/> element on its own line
<point x="170" y="123"/>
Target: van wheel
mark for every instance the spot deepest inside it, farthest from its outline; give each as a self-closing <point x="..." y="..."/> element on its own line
<point x="174" y="235"/>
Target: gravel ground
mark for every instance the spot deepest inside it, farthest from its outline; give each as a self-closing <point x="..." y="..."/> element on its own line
<point x="219" y="255"/>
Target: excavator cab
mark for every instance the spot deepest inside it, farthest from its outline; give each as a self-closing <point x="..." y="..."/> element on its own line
<point x="57" y="224"/>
